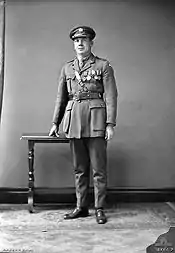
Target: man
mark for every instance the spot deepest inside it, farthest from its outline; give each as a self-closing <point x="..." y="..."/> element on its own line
<point x="87" y="99"/>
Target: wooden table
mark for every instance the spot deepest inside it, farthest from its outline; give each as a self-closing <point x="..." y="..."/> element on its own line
<point x="33" y="138"/>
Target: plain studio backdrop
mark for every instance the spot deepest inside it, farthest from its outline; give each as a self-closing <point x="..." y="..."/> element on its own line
<point x="138" y="38"/>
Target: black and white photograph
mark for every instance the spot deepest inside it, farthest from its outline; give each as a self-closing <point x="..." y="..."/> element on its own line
<point x="87" y="126"/>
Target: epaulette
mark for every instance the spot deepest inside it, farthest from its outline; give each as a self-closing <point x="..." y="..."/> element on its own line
<point x="105" y="60"/>
<point x="71" y="60"/>
<point x="100" y="58"/>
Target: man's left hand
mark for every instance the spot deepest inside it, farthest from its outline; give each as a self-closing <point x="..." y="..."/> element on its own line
<point x="109" y="132"/>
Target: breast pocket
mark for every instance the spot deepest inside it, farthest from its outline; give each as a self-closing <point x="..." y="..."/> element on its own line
<point x="98" y="115"/>
<point x="67" y="117"/>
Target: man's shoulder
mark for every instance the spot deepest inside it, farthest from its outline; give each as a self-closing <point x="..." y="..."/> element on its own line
<point x="100" y="59"/>
<point x="66" y="65"/>
<point x="103" y="61"/>
<point x="70" y="61"/>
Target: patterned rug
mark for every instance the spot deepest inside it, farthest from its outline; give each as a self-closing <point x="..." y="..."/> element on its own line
<point x="130" y="228"/>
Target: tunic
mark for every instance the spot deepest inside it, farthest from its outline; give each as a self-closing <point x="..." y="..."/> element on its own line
<point x="86" y="117"/>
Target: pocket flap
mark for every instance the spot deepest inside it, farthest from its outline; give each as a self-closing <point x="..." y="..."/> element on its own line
<point x="97" y="104"/>
<point x="69" y="105"/>
<point x="70" y="76"/>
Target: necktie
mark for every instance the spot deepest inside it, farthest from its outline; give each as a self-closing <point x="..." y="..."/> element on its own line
<point x="81" y="63"/>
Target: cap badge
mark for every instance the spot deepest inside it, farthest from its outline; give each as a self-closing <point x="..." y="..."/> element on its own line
<point x="80" y="30"/>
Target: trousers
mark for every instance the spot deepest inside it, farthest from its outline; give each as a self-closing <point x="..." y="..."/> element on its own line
<point x="89" y="153"/>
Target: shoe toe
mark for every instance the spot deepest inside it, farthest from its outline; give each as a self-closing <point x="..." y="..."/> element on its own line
<point x="100" y="217"/>
<point x="100" y="221"/>
<point x="66" y="216"/>
<point x="76" y="213"/>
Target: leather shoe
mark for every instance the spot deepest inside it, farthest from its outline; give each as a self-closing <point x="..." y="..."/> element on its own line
<point x="100" y="216"/>
<point x="77" y="213"/>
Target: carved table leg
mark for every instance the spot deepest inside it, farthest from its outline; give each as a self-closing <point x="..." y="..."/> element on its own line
<point x="31" y="175"/>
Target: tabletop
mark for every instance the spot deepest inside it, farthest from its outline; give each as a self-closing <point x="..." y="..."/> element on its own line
<point x="44" y="137"/>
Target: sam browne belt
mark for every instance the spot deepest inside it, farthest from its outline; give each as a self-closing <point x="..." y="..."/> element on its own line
<point x="85" y="95"/>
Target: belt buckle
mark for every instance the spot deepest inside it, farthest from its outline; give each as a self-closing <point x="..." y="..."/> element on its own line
<point x="77" y="98"/>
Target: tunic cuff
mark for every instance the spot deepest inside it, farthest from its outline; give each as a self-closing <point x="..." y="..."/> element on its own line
<point x="111" y="124"/>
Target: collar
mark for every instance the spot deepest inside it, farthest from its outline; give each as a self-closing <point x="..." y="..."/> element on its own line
<point x="90" y="59"/>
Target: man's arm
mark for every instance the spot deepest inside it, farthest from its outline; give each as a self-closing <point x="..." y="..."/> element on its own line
<point x="111" y="94"/>
<point x="60" y="104"/>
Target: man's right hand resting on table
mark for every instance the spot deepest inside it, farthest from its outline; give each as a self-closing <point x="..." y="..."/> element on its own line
<point x="54" y="131"/>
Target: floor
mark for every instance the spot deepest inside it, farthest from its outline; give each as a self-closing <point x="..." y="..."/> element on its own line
<point x="131" y="227"/>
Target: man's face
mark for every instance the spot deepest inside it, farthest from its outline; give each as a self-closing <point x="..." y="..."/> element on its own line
<point x="82" y="46"/>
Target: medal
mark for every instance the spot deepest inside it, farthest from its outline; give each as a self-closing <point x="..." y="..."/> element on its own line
<point x="83" y="78"/>
<point x="88" y="78"/>
<point x="85" y="88"/>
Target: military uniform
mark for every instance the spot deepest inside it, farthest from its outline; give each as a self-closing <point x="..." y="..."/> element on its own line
<point x="87" y="103"/>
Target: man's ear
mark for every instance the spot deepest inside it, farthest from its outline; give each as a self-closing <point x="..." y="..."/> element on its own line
<point x="92" y="43"/>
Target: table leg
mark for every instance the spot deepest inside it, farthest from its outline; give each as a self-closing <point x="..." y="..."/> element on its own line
<point x="31" y="175"/>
